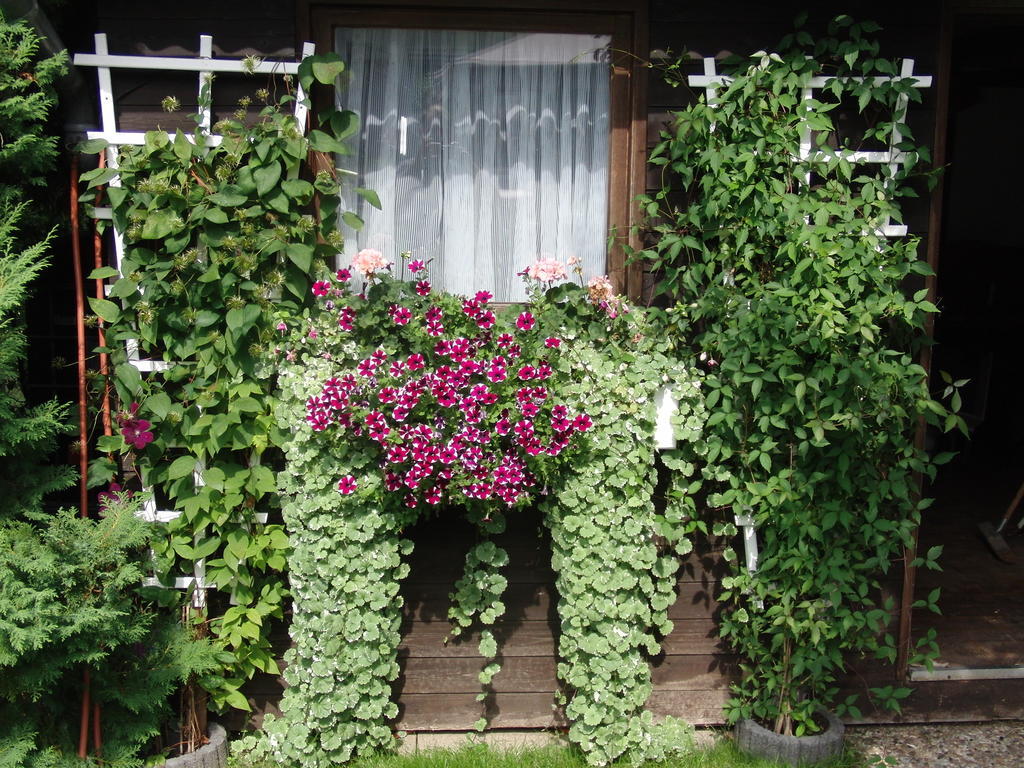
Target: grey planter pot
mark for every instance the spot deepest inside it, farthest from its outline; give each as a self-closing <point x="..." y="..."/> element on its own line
<point x="793" y="750"/>
<point x="213" y="754"/>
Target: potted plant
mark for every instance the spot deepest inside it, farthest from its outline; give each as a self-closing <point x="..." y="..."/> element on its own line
<point x="798" y="307"/>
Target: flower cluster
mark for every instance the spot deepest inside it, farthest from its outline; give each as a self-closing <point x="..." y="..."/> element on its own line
<point x="369" y="262"/>
<point x="452" y="395"/>
<point x="602" y="294"/>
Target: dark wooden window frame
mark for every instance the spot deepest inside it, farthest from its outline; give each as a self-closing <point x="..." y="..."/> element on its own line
<point x="624" y="20"/>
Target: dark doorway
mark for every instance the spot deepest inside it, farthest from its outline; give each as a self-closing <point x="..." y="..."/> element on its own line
<point x="981" y="266"/>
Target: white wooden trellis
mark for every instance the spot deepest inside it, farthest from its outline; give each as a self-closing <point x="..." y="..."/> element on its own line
<point x="710" y="80"/>
<point x="206" y="67"/>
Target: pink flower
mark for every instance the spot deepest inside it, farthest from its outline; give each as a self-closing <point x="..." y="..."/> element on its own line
<point x="525" y="321"/>
<point x="600" y="289"/>
<point x="320" y="288"/>
<point x="347" y="485"/>
<point x="282" y="326"/>
<point x="415" y="361"/>
<point x="423" y="288"/>
<point x="582" y="423"/>
<point x="417" y="265"/>
<point x="482" y="297"/>
<point x="368" y="261"/>
<point x="546" y="270"/>
<point x="552" y="343"/>
<point x="343" y="275"/>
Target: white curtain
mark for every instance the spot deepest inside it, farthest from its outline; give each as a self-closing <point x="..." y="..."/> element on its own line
<point x="488" y="150"/>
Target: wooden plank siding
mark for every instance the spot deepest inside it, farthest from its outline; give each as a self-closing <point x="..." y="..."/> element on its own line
<point x="437" y="688"/>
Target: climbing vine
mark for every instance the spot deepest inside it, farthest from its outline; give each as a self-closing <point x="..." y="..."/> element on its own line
<point x="407" y="402"/>
<point x="808" y="321"/>
<point x="221" y="240"/>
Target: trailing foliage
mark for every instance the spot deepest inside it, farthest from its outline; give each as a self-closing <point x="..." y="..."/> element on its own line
<point x="614" y="549"/>
<point x="813" y="390"/>
<point x="415" y="402"/>
<point x="220" y="243"/>
<point x="69" y="599"/>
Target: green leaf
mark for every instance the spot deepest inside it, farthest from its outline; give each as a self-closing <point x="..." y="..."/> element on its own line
<point x="301" y="255"/>
<point x="352" y="220"/>
<point x="369" y="196"/>
<point x="182" y="147"/>
<point x="129" y="378"/>
<point x="157" y="224"/>
<point x="159" y="404"/>
<point x="229" y="196"/>
<point x="110" y="443"/>
<point x="181" y="467"/>
<point x="327" y="68"/>
<point x="107" y="310"/>
<point x="92" y="146"/>
<point x="103" y="273"/>
<point x="344" y="123"/>
<point x="155" y="140"/>
<point x="323" y="142"/>
<point x="267" y="177"/>
<point x="299" y="189"/>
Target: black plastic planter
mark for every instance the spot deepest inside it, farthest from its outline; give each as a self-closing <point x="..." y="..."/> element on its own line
<point x="758" y="741"/>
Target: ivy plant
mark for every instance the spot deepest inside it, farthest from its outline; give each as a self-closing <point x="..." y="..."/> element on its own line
<point x="808" y="320"/>
<point x="221" y="242"/>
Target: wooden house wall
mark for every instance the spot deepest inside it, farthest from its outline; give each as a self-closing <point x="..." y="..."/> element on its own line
<point x="438" y="686"/>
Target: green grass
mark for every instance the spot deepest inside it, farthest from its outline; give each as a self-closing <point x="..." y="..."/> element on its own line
<point x="722" y="755"/>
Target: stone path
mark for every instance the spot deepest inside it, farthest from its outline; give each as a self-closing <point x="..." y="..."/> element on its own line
<point x="959" y="745"/>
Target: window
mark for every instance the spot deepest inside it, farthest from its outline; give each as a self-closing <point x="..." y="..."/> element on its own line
<point x="492" y="138"/>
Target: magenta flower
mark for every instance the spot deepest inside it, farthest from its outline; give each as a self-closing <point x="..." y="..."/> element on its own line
<point x="347" y="485"/>
<point x="343" y="275"/>
<point x="415" y="362"/>
<point x="345" y="318"/>
<point x="417" y="265"/>
<point x="525" y="321"/>
<point x="483" y="297"/>
<point x="135" y="431"/>
<point x="485" y="319"/>
<point x="582" y="423"/>
<point x="423" y="288"/>
<point x="552" y="343"/>
<point x="321" y="288"/>
<point x="400" y="315"/>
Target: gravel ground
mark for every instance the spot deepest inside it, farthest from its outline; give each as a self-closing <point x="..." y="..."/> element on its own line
<point x="958" y="745"/>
